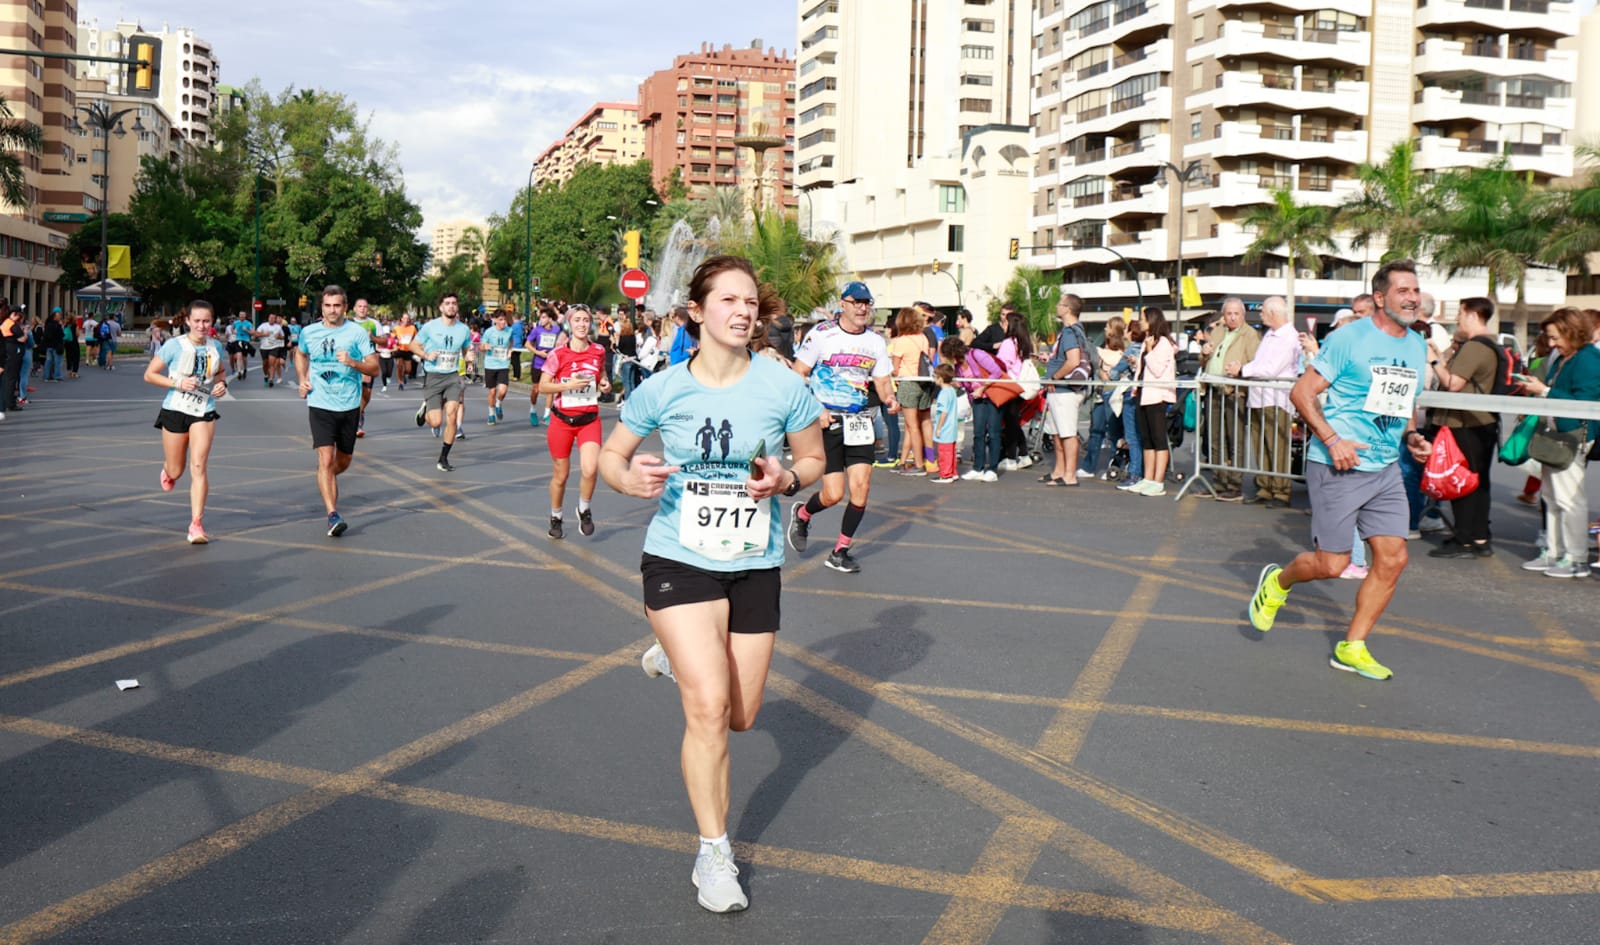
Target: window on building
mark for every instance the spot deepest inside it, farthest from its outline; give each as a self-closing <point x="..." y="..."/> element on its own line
<point x="952" y="198"/>
<point x="956" y="238"/>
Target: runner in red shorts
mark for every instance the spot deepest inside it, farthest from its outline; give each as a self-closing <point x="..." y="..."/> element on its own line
<point x="575" y="373"/>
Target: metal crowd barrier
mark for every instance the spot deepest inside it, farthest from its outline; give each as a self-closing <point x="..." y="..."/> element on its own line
<point x="1234" y="440"/>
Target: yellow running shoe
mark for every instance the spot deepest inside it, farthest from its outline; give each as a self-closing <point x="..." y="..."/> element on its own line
<point x="1269" y="596"/>
<point x="1352" y="657"/>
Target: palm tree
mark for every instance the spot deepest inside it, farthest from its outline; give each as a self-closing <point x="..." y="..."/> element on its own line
<point x="1575" y="214"/>
<point x="1299" y="230"/>
<point x="1494" y="219"/>
<point x="584" y="279"/>
<point x="16" y="136"/>
<point x="805" y="273"/>
<point x="1396" y="203"/>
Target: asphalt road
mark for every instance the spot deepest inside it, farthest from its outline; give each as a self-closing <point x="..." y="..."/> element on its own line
<point x="1038" y="716"/>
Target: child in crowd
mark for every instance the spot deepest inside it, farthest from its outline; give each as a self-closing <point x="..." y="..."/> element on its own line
<point x="946" y="425"/>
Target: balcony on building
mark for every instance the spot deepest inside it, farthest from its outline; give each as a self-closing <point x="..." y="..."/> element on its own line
<point x="1282" y="36"/>
<point x="1540" y="149"/>
<point x="1485" y="54"/>
<point x="1300" y="89"/>
<point x="1242" y="188"/>
<point x="1286" y="136"/>
<point x="1532" y="16"/>
<point x="1482" y="100"/>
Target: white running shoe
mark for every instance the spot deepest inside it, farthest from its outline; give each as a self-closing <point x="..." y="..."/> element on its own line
<point x="972" y="475"/>
<point x="990" y="475"/>
<point x="1023" y="462"/>
<point x="1009" y="465"/>
<point x="655" y="664"/>
<point x="718" y="881"/>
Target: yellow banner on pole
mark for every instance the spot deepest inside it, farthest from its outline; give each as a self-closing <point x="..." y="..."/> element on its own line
<point x="1191" y="293"/>
<point x="119" y="262"/>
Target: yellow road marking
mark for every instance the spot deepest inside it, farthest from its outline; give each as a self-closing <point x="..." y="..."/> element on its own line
<point x="198" y="854"/>
<point x="1002" y="868"/>
<point x="965" y="784"/>
<point x="1462" y="886"/>
<point x="194" y="633"/>
<point x="1264" y="722"/>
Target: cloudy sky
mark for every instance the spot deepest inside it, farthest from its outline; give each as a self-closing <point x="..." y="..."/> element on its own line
<point x="470" y="92"/>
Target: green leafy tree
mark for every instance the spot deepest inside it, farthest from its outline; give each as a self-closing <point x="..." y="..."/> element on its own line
<point x="574" y="221"/>
<point x="1299" y="231"/>
<point x="1575" y="215"/>
<point x="1397" y="204"/>
<point x="1494" y="219"/>
<point x="585" y="279"/>
<point x="1034" y="296"/>
<point x="805" y="273"/>
<point x="17" y="138"/>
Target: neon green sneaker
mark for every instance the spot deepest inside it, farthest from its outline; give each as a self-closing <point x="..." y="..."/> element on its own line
<point x="1269" y="596"/>
<point x="1352" y="657"/>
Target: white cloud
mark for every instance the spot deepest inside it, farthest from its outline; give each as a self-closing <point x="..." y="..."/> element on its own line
<point x="469" y="92"/>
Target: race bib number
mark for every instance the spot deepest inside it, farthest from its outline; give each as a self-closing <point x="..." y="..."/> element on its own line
<point x="1393" y="392"/>
<point x="858" y="430"/>
<point x="191" y="402"/>
<point x="717" y="520"/>
<point x="500" y="352"/>
<point x="444" y="362"/>
<point x="585" y="396"/>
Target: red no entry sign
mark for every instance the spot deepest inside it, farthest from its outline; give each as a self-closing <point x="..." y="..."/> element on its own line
<point x="635" y="284"/>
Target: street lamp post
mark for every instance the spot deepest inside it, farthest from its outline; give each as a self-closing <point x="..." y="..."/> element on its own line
<point x="109" y="123"/>
<point x="1194" y="171"/>
<point x="527" y="249"/>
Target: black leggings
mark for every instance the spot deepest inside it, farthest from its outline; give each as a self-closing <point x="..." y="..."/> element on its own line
<point x="74" y="353"/>
<point x="1151" y="421"/>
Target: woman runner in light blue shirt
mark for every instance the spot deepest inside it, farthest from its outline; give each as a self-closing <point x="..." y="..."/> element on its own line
<point x="712" y="552"/>
<point x="190" y="367"/>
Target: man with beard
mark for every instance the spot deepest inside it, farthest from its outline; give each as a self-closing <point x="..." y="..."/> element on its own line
<point x="1371" y="371"/>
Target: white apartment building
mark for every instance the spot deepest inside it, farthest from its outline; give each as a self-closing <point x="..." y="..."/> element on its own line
<point x="912" y="141"/>
<point x="446" y="236"/>
<point x="1255" y="96"/>
<point x="189" y="72"/>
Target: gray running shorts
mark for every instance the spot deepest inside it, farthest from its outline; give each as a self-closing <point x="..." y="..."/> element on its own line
<point x="1343" y="503"/>
<point x="440" y="389"/>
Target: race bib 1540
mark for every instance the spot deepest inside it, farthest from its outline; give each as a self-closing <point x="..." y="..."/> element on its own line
<point x="1393" y="392"/>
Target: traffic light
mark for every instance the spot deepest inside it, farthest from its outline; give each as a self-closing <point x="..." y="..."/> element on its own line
<point x="1016" y="247"/>
<point x="302" y="301"/>
<point x="630" y="249"/>
<point x="936" y="267"/>
<point x="144" y="76"/>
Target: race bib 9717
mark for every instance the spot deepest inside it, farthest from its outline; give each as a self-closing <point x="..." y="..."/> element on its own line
<point x="717" y="520"/>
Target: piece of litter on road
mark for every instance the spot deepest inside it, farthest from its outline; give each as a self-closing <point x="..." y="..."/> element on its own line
<point x="123" y="685"/>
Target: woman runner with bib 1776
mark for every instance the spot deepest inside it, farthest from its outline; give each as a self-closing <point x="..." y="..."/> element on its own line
<point x="190" y="366"/>
<point x="713" y="551"/>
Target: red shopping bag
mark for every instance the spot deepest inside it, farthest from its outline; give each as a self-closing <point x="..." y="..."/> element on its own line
<point x="1446" y="476"/>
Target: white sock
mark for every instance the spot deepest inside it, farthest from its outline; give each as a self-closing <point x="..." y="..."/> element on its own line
<point x="707" y="844"/>
<point x="583" y="506"/>
<point x="555" y="513"/>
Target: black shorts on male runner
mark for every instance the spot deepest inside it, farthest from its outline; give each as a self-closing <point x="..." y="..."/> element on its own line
<point x="335" y="428"/>
<point x="174" y="421"/>
<point x="494" y="377"/>
<point x="440" y="389"/>
<point x="839" y="456"/>
<point x="752" y="596"/>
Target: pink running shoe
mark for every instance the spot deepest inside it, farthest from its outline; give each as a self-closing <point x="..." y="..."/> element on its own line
<point x="197" y="534"/>
<point x="1353" y="572"/>
<point x="167" y="482"/>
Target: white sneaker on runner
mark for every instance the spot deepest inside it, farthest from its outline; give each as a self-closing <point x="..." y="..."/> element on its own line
<point x="718" y="881"/>
<point x="655" y="663"/>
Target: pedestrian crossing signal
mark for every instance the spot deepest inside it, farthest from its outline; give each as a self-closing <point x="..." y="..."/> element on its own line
<point x="936" y="267"/>
<point x="1016" y="248"/>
